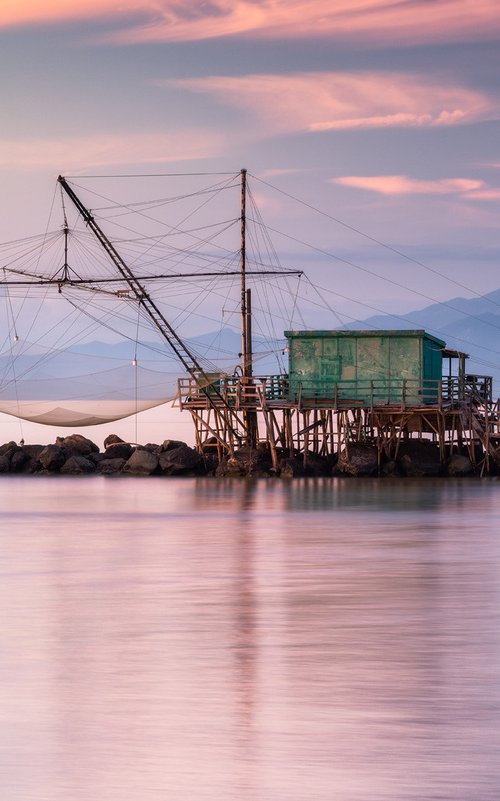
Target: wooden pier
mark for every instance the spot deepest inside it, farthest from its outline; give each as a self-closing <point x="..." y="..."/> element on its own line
<point x="326" y="418"/>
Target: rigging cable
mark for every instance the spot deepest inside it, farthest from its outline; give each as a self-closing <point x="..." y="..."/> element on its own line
<point x="14" y="339"/>
<point x="383" y="278"/>
<point x="377" y="241"/>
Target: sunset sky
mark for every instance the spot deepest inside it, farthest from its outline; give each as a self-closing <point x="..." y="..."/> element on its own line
<point x="384" y="115"/>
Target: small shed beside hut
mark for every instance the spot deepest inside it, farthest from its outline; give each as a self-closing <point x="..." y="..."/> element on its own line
<point x="365" y="367"/>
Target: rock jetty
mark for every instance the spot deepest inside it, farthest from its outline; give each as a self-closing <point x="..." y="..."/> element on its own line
<point x="77" y="455"/>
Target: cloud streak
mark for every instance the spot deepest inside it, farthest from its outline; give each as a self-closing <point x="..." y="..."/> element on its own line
<point x="468" y="188"/>
<point x="100" y="150"/>
<point x="340" y="101"/>
<point x="376" y="21"/>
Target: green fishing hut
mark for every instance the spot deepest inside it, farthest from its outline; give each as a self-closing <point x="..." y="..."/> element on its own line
<point x="365" y="367"/>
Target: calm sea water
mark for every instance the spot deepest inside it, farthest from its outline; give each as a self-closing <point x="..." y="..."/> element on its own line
<point x="205" y="640"/>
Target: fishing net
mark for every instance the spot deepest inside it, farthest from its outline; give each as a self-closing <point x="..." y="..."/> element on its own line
<point x="88" y="399"/>
<point x="60" y="289"/>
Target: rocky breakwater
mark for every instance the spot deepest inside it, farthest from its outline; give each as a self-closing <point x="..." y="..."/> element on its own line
<point x="77" y="455"/>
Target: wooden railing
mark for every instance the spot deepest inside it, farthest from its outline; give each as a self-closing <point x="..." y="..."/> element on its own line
<point x="277" y="390"/>
<point x="366" y="393"/>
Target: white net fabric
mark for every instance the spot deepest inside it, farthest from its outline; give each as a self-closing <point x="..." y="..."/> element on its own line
<point x="89" y="399"/>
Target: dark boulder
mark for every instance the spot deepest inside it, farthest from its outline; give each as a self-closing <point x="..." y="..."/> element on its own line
<point x="418" y="458"/>
<point x="152" y="447"/>
<point x="317" y="465"/>
<point x="12" y="459"/>
<point x="96" y="458"/>
<point x="390" y="469"/>
<point x="229" y="467"/>
<point x="109" y="467"/>
<point x="77" y="444"/>
<point x="181" y="460"/>
<point x="119" y="450"/>
<point x="459" y="465"/>
<point x="171" y="444"/>
<point x="246" y="461"/>
<point x="8" y="448"/>
<point x="31" y="463"/>
<point x="211" y="463"/>
<point x="358" y="459"/>
<point x="292" y="467"/>
<point x="111" y="439"/>
<point x="33" y="451"/>
<point x="141" y="463"/>
<point x="52" y="458"/>
<point x="77" y="465"/>
<point x="18" y="460"/>
<point x="210" y="446"/>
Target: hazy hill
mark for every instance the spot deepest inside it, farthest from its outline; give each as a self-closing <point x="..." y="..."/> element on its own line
<point x="220" y="348"/>
<point x="470" y="325"/>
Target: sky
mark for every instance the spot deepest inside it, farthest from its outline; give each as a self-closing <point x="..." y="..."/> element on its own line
<point x="383" y="115"/>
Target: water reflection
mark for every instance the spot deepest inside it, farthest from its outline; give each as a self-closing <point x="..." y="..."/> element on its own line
<point x="316" y="639"/>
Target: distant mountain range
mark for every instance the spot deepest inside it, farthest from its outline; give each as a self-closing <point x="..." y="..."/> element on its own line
<point x="215" y="350"/>
<point x="469" y="325"/>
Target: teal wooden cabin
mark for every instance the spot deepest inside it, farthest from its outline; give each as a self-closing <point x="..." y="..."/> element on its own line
<point x="365" y="367"/>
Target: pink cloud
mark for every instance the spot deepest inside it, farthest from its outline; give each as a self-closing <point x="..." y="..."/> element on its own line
<point x="106" y="150"/>
<point x="403" y="185"/>
<point x="398" y="120"/>
<point x="376" y="21"/>
<point x="14" y="12"/>
<point x="338" y="101"/>
<point x="485" y="194"/>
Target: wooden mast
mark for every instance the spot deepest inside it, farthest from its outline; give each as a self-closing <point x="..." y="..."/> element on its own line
<point x="244" y="326"/>
<point x="249" y="414"/>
